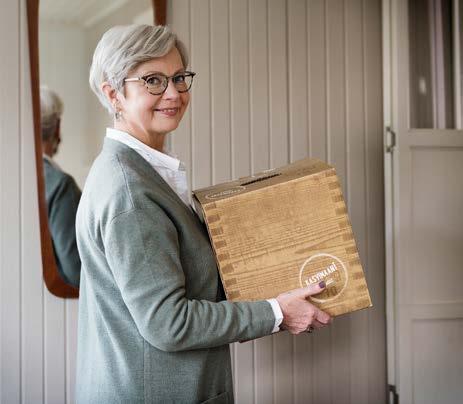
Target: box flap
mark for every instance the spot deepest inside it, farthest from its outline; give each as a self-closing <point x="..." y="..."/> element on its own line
<point x="298" y="169"/>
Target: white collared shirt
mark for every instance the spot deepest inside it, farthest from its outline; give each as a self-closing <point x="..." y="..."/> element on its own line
<point x="169" y="168"/>
<point x="174" y="173"/>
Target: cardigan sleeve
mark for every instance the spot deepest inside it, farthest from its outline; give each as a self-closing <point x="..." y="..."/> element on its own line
<point x="142" y="249"/>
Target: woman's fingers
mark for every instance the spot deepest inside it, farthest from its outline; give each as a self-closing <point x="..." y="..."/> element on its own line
<point x="322" y="317"/>
<point x="317" y="325"/>
<point x="320" y="320"/>
<point x="298" y="313"/>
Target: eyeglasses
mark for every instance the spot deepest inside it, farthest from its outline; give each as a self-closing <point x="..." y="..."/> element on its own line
<point x="157" y="83"/>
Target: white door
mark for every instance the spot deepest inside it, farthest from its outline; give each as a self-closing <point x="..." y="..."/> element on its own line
<point x="424" y="198"/>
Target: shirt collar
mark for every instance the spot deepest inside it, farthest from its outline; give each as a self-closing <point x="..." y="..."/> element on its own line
<point x="155" y="157"/>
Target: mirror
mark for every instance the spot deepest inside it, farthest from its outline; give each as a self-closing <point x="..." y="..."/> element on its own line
<point x="62" y="38"/>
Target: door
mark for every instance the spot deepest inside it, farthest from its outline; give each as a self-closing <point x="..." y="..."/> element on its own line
<point x="424" y="198"/>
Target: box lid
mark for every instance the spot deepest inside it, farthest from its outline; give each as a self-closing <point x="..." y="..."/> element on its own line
<point x="266" y="178"/>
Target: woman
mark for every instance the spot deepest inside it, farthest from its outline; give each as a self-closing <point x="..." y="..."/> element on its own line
<point x="152" y="323"/>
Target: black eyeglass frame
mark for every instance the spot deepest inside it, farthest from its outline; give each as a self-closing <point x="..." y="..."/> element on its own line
<point x="186" y="73"/>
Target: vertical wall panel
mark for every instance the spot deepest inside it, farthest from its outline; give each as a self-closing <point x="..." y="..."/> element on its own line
<point x="278" y="388"/>
<point x="72" y="312"/>
<point x="297" y="89"/>
<point x="277" y="85"/>
<point x="319" y="114"/>
<point x="54" y="349"/>
<point x="259" y="94"/>
<point x="260" y="160"/>
<point x="10" y="202"/>
<point x="357" y="187"/>
<point x="283" y="346"/>
<point x="297" y="82"/>
<point x="336" y="87"/>
<point x="317" y="69"/>
<point x="263" y="370"/>
<point x="322" y="386"/>
<point x="202" y="143"/>
<point x="220" y="99"/>
<point x="239" y="89"/>
<point x="241" y="157"/>
<point x="283" y="370"/>
<point x="336" y="74"/>
<point x="375" y="202"/>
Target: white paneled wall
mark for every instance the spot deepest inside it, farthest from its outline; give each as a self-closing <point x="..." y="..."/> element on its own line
<point x="277" y="81"/>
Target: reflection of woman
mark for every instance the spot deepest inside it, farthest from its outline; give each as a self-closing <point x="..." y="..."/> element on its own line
<point x="152" y="323"/>
<point x="61" y="191"/>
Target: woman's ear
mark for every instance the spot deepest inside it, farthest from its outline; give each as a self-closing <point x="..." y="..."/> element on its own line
<point x="110" y="94"/>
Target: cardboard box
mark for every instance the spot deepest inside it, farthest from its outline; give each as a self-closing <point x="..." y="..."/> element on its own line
<point x="283" y="229"/>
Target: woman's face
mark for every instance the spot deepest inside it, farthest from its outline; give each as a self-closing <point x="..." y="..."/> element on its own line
<point x="147" y="116"/>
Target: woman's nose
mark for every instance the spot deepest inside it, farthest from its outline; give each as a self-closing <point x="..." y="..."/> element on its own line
<point x="171" y="91"/>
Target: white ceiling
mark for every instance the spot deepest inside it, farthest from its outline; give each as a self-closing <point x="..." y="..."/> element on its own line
<point x="82" y="12"/>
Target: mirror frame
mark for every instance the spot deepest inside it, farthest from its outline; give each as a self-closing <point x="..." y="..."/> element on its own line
<point x="55" y="284"/>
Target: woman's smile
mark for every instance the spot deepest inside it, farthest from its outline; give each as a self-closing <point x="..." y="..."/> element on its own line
<point x="168" y="111"/>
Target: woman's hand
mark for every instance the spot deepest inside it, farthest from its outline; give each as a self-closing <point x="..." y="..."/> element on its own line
<point x="298" y="314"/>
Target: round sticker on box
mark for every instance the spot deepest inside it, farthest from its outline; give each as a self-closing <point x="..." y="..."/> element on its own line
<point x="328" y="268"/>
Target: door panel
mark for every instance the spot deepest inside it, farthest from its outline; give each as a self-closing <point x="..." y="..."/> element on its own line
<point x="437" y="375"/>
<point x="436" y="223"/>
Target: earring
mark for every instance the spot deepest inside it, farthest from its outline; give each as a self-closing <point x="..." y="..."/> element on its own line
<point x="117" y="114"/>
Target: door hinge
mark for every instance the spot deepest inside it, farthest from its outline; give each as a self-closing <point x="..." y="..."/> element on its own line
<point x="390" y="140"/>
<point x="393" y="392"/>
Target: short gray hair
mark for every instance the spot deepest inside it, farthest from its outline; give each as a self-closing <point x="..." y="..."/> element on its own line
<point x="122" y="48"/>
<point x="51" y="109"/>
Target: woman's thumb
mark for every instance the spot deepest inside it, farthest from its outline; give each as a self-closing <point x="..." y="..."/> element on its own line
<point x="313" y="289"/>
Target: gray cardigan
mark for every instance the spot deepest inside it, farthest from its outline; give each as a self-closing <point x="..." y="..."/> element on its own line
<point x="152" y="325"/>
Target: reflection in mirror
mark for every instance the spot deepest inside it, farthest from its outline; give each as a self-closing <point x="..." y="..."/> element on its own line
<point x="61" y="191"/>
<point x="73" y="122"/>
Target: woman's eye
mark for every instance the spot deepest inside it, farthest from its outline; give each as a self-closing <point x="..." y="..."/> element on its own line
<point x="180" y="78"/>
<point x="153" y="80"/>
